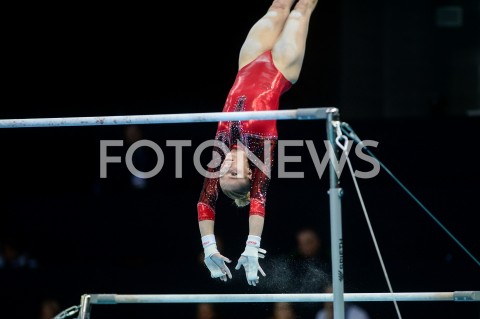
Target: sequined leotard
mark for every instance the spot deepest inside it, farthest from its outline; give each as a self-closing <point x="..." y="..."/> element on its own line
<point x="257" y="87"/>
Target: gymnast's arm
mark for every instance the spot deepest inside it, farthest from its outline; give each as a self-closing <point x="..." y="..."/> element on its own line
<point x="255" y="225"/>
<point x="258" y="194"/>
<point x="249" y="258"/>
<point x="208" y="198"/>
<point x="209" y="194"/>
<point x="260" y="183"/>
<point x="214" y="261"/>
<point x="206" y="227"/>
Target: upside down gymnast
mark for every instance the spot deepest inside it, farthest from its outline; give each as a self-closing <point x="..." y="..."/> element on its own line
<point x="270" y="61"/>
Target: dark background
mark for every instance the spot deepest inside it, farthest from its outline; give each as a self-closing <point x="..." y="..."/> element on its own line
<point x="398" y="75"/>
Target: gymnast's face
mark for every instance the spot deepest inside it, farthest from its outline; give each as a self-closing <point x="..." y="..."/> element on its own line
<point x="235" y="172"/>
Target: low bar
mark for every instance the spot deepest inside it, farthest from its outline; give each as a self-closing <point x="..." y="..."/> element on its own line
<point x="320" y="297"/>
<point x="295" y="114"/>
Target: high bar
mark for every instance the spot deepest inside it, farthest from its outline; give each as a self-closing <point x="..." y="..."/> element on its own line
<point x="320" y="297"/>
<point x="293" y="114"/>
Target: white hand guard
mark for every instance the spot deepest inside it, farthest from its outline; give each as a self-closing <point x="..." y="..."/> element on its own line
<point x="213" y="260"/>
<point x="249" y="260"/>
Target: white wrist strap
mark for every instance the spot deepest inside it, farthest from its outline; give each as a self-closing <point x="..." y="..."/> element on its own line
<point x="209" y="245"/>
<point x="254" y="241"/>
<point x="208" y="240"/>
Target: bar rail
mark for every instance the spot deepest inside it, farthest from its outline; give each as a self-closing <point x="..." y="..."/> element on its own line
<point x="314" y="297"/>
<point x="298" y="114"/>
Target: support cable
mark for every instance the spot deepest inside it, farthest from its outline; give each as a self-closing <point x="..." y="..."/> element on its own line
<point x="344" y="147"/>
<point x="348" y="131"/>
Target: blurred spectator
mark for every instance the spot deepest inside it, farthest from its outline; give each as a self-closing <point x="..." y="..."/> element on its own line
<point x="119" y="176"/>
<point x="308" y="262"/>
<point x="309" y="245"/>
<point x="352" y="311"/>
<point x="283" y="310"/>
<point x="301" y="270"/>
<point x="49" y="308"/>
<point x="14" y="256"/>
<point x="132" y="134"/>
<point x="206" y="311"/>
<point x="310" y="270"/>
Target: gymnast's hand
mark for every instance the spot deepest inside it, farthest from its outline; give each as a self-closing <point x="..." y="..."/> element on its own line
<point x="249" y="260"/>
<point x="215" y="262"/>
<point x="218" y="268"/>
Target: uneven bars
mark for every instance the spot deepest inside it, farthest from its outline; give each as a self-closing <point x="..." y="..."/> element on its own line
<point x="314" y="297"/>
<point x="298" y="114"/>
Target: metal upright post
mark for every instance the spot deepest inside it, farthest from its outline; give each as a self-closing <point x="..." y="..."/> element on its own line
<point x="335" y="193"/>
<point x="84" y="307"/>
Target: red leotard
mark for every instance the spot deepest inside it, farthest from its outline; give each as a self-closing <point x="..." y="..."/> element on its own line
<point x="257" y="87"/>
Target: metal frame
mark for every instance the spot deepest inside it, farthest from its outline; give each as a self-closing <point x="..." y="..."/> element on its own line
<point x="104" y="299"/>
<point x="294" y="114"/>
<point x="112" y="299"/>
<point x="338" y="297"/>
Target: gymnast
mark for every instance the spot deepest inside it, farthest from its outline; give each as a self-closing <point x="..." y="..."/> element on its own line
<point x="270" y="61"/>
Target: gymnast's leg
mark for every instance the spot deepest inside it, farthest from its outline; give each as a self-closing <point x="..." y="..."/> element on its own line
<point x="289" y="50"/>
<point x="265" y="32"/>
